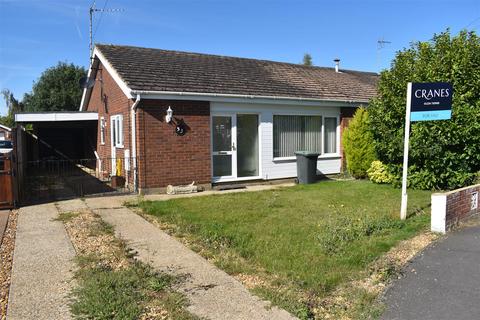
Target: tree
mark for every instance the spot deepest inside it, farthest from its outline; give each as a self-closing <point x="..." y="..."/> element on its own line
<point x="13" y="106"/>
<point x="443" y="154"/>
<point x="307" y="60"/>
<point x="57" y="89"/>
<point x="358" y="144"/>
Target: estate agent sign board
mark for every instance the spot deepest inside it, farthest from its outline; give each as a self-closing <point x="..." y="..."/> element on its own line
<point x="425" y="102"/>
<point x="431" y="101"/>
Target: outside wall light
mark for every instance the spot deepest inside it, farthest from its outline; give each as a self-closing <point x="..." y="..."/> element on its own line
<point x="169" y="116"/>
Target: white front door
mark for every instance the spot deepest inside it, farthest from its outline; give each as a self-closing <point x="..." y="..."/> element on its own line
<point x="235" y="146"/>
<point x="223" y="146"/>
<point x="113" y="134"/>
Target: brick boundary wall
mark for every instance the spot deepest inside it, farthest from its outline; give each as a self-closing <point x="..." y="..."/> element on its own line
<point x="451" y="208"/>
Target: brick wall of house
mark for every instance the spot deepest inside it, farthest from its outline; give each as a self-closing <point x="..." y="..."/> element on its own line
<point x="451" y="208"/>
<point x="168" y="158"/>
<point x="108" y="99"/>
<point x="346" y="115"/>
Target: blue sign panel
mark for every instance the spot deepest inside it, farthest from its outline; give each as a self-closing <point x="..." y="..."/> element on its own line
<point x="431" y="101"/>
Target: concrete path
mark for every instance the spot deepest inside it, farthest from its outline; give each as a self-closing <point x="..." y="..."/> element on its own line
<point x="3" y="222"/>
<point x="442" y="283"/>
<point x="212" y="293"/>
<point x="42" y="266"/>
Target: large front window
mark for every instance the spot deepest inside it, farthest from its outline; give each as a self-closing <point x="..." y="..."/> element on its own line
<point x="303" y="133"/>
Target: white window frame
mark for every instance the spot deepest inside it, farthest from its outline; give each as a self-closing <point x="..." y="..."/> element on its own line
<point x="103" y="126"/>
<point x="323" y="155"/>
<point x="337" y="133"/>
<point x="118" y="141"/>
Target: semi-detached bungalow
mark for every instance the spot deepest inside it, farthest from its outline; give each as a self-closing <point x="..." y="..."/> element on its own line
<point x="184" y="117"/>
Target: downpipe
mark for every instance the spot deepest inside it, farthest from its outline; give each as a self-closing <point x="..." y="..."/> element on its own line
<point x="133" y="112"/>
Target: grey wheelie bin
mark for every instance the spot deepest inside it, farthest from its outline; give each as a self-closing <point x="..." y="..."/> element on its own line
<point x="306" y="166"/>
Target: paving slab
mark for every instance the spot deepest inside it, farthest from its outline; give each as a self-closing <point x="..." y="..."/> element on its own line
<point x="42" y="266"/>
<point x="72" y="205"/>
<point x="442" y="283"/>
<point x="3" y="222"/>
<point x="212" y="293"/>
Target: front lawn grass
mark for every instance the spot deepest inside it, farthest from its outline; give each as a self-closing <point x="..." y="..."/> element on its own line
<point x="309" y="239"/>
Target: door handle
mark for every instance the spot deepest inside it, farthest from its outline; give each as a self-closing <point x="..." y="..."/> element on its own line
<point x="233" y="147"/>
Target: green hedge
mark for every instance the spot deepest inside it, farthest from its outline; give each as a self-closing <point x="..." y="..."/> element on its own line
<point x="443" y="154"/>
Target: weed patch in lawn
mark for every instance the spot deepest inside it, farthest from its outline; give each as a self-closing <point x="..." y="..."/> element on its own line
<point x="305" y="242"/>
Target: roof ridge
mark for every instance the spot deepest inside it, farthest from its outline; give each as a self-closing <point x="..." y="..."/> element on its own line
<point x="234" y="57"/>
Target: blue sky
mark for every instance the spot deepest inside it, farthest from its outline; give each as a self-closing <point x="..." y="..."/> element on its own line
<point x="36" y="34"/>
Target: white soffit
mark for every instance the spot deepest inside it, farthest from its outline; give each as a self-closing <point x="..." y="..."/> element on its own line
<point x="56" y="116"/>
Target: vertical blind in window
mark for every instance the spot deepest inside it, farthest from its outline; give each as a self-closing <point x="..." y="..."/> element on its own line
<point x="296" y="133"/>
<point x="330" y="135"/>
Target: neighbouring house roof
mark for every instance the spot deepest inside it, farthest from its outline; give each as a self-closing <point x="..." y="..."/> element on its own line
<point x="34" y="117"/>
<point x="5" y="127"/>
<point x="165" y="71"/>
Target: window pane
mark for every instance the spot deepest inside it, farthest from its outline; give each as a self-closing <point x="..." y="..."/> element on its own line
<point x="121" y="129"/>
<point x="330" y="135"/>
<point x="102" y="130"/>
<point x="222" y="165"/>
<point x="222" y="133"/>
<point x="296" y="133"/>
<point x="118" y="131"/>
<point x="313" y="134"/>
<point x="114" y="132"/>
<point x="247" y="145"/>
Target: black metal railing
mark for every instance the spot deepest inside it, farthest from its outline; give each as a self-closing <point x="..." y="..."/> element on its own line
<point x="50" y="179"/>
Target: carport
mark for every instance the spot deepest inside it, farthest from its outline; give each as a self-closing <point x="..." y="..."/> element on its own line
<point x="57" y="135"/>
<point x="56" y="156"/>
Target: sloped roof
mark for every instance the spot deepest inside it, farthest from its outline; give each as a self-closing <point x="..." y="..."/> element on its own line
<point x="145" y="69"/>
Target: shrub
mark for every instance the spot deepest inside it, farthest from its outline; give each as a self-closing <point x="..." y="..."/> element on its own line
<point x="443" y="154"/>
<point x="378" y="173"/>
<point x="358" y="144"/>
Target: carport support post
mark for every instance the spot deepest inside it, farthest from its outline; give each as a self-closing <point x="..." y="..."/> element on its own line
<point x="403" y="208"/>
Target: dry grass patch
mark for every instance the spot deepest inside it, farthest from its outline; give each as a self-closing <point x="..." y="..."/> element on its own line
<point x="357" y="299"/>
<point x="112" y="284"/>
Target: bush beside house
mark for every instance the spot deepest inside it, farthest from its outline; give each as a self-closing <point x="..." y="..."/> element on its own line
<point x="358" y="144"/>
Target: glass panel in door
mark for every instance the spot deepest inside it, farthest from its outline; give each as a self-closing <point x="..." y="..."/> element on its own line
<point x="222" y="146"/>
<point x="247" y="145"/>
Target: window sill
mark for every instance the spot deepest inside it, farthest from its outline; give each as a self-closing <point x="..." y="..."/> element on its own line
<point x="321" y="157"/>
<point x="119" y="146"/>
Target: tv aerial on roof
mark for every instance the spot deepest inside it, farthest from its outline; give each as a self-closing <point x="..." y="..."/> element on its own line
<point x="86" y="82"/>
<point x="92" y="10"/>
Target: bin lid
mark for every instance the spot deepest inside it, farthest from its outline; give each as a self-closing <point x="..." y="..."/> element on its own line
<point x="307" y="153"/>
